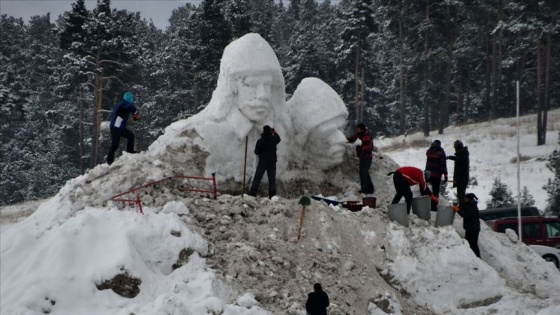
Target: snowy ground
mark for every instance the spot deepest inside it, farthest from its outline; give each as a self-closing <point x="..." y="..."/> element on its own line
<point x="493" y="151"/>
<point x="234" y="255"/>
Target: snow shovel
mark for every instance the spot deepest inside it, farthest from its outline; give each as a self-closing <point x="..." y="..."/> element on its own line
<point x="303" y="201"/>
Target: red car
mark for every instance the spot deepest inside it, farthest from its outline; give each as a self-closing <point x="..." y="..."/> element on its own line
<point x="536" y="230"/>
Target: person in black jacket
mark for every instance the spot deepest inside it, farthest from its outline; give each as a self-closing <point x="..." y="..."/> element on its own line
<point x="461" y="170"/>
<point x="468" y="209"/>
<point x="317" y="301"/>
<point x="436" y="164"/>
<point x="265" y="149"/>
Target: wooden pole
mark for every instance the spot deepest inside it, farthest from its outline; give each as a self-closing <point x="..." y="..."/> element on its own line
<point x="245" y="166"/>
<point x="301" y="216"/>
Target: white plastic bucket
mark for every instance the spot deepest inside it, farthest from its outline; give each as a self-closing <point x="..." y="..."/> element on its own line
<point x="445" y="216"/>
<point x="397" y="212"/>
<point x="421" y="206"/>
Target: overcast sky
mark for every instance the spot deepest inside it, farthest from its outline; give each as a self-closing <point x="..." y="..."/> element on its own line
<point x="158" y="11"/>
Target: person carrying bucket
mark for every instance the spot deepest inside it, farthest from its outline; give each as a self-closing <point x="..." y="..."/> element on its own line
<point x="405" y="177"/>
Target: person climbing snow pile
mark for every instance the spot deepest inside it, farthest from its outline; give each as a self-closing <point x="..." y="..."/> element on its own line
<point x="119" y="118"/>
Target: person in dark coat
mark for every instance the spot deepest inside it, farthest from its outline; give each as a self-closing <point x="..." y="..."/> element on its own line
<point x="317" y="301"/>
<point x="436" y="164"/>
<point x="119" y="117"/>
<point x="407" y="176"/>
<point x="364" y="148"/>
<point x="461" y="170"/>
<point x="265" y="149"/>
<point x="468" y="209"/>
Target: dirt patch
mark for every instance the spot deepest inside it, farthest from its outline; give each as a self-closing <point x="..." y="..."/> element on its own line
<point x="122" y="284"/>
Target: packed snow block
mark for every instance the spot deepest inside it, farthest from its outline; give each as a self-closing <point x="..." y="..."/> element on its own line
<point x="397" y="212"/>
<point x="445" y="216"/>
<point x="421" y="207"/>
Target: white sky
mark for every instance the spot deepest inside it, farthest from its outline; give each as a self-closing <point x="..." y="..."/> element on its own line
<point x="157" y="10"/>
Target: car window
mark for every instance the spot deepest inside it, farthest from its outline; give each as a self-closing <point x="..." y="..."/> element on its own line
<point x="504" y="226"/>
<point x="553" y="229"/>
<point x="532" y="230"/>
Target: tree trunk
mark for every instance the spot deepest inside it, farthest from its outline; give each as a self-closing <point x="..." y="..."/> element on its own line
<point x="362" y="94"/>
<point x="426" y="78"/>
<point x="356" y="82"/>
<point x="444" y="118"/>
<point x="402" y="117"/>
<point x="97" y="110"/>
<point x="540" y="107"/>
<point x="459" y="108"/>
<point x="81" y="144"/>
<point x="546" y="105"/>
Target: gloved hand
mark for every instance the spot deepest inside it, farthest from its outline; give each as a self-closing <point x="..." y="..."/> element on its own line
<point x="434" y="198"/>
<point x="136" y="116"/>
<point x="357" y="143"/>
<point x="455" y="208"/>
<point x="445" y="178"/>
<point x="428" y="191"/>
<point x="273" y="131"/>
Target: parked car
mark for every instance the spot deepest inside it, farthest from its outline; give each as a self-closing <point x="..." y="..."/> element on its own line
<point x="536" y="230"/>
<point x="548" y="253"/>
<point x="489" y="215"/>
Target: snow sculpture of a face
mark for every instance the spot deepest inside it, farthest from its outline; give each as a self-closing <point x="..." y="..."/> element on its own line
<point x="251" y="82"/>
<point x="253" y="96"/>
<point x="318" y="114"/>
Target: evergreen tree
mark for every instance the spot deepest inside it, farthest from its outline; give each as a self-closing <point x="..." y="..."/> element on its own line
<point x="526" y="198"/>
<point x="501" y="195"/>
<point x="553" y="185"/>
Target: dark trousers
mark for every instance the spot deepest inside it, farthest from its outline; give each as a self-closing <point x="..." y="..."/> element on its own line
<point x="461" y="190"/>
<point x="366" y="184"/>
<point x="472" y="237"/>
<point x="116" y="135"/>
<point x="436" y="183"/>
<point x="403" y="189"/>
<point x="270" y="168"/>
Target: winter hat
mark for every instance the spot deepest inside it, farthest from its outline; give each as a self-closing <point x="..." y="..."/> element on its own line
<point x="361" y="126"/>
<point x="436" y="143"/>
<point x="317" y="287"/>
<point x="458" y="145"/>
<point x="128" y="97"/>
<point x="471" y="196"/>
<point x="267" y="129"/>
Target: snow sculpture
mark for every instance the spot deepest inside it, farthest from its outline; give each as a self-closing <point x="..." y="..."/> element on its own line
<point x="318" y="115"/>
<point x="249" y="95"/>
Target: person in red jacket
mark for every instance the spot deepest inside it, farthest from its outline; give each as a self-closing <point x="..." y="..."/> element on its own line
<point x="405" y="177"/>
<point x="364" y="148"/>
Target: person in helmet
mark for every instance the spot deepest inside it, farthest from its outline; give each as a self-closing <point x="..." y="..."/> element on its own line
<point x="119" y="117"/>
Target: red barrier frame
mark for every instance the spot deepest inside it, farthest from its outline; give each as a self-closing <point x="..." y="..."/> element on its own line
<point x="137" y="201"/>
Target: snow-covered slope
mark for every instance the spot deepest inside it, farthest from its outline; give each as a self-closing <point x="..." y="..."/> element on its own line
<point x="240" y="255"/>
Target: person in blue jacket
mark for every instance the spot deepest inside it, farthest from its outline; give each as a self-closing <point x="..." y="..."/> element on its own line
<point x="119" y="117"/>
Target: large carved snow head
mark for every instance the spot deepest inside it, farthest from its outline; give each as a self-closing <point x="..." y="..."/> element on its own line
<point x="250" y="80"/>
<point x="318" y="114"/>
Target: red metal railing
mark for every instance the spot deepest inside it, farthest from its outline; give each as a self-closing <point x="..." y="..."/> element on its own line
<point x="136" y="201"/>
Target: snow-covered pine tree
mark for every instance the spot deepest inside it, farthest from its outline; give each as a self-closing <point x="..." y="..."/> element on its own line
<point x="553" y="185"/>
<point x="526" y="198"/>
<point x="501" y="195"/>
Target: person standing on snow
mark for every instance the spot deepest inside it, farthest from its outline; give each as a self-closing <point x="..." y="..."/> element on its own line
<point x="317" y="301"/>
<point x="436" y="164"/>
<point x="407" y="176"/>
<point x="265" y="149"/>
<point x="119" y="117"/>
<point x="364" y="148"/>
<point x="461" y="170"/>
<point x="468" y="209"/>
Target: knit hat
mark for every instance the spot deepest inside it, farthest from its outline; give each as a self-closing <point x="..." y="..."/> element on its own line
<point x="436" y="143"/>
<point x="267" y="129"/>
<point x="128" y="97"/>
<point x="471" y="196"/>
<point x="458" y="145"/>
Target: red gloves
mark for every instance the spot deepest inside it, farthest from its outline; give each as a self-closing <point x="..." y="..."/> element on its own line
<point x="136" y="116"/>
<point x="434" y="198"/>
<point x="455" y="208"/>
